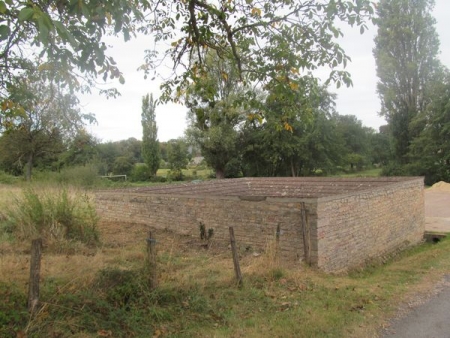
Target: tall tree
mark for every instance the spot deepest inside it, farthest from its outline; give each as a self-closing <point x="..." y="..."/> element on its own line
<point x="430" y="151"/>
<point x="81" y="149"/>
<point x="356" y="139"/>
<point x="405" y="50"/>
<point x="150" y="145"/>
<point x="215" y="110"/>
<point x="47" y="115"/>
<point x="308" y="142"/>
<point x="272" y="43"/>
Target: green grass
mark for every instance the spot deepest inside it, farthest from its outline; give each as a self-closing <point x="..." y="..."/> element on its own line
<point x="374" y="172"/>
<point x="200" y="173"/>
<point x="198" y="297"/>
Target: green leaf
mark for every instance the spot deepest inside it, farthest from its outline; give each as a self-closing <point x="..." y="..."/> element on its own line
<point x="25" y="14"/>
<point x="2" y="7"/>
<point x="4" y="32"/>
<point x="64" y="33"/>
<point x="85" y="10"/>
<point x="43" y="31"/>
<point x="60" y="28"/>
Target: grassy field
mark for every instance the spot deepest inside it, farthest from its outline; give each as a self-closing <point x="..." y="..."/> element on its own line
<point x="103" y="291"/>
<point x="374" y="172"/>
<point x="200" y="173"/>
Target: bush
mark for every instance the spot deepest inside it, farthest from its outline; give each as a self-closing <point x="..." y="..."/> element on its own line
<point x="7" y="178"/>
<point x="233" y="169"/>
<point x="158" y="179"/>
<point x="140" y="173"/>
<point x="175" y="175"/>
<point x="53" y="215"/>
<point x="81" y="176"/>
<point x="394" y="169"/>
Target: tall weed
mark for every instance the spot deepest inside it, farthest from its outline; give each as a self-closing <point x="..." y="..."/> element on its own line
<point x="54" y="215"/>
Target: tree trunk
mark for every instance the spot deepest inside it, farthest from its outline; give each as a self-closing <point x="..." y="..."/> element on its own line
<point x="29" y="168"/>
<point x="293" y="168"/>
<point x="220" y="173"/>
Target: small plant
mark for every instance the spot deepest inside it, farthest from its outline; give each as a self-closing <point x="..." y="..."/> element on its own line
<point x="205" y="235"/>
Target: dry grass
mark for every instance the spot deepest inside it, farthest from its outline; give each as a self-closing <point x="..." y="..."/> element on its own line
<point x="198" y="296"/>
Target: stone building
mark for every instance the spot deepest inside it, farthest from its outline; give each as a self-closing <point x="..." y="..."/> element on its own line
<point x="334" y="224"/>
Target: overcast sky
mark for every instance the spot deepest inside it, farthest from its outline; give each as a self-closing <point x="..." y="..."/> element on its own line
<point x="120" y="118"/>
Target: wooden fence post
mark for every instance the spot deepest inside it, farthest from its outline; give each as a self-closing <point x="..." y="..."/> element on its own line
<point x="35" y="270"/>
<point x="237" y="268"/>
<point x="277" y="240"/>
<point x="306" y="234"/>
<point x="151" y="261"/>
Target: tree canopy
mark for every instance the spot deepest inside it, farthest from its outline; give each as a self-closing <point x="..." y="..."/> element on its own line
<point x="272" y="43"/>
<point x="406" y="49"/>
<point x="48" y="116"/>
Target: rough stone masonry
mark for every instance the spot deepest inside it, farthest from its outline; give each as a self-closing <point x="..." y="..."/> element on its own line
<point x="344" y="221"/>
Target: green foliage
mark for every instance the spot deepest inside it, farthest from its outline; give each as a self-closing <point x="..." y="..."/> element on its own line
<point x="13" y="312"/>
<point x="49" y="115"/>
<point x="430" y="151"/>
<point x="306" y="142"/>
<point x="205" y="235"/>
<point x="197" y="297"/>
<point x="6" y="178"/>
<point x="380" y="147"/>
<point x="233" y="168"/>
<point x="394" y="169"/>
<point x="140" y="173"/>
<point x="122" y="165"/>
<point x="83" y="176"/>
<point x="256" y="37"/>
<point x="81" y="150"/>
<point x="175" y="175"/>
<point x="67" y="36"/>
<point x="404" y="66"/>
<point x="216" y="110"/>
<point x="177" y="155"/>
<point x="150" y="145"/>
<point x="54" y="215"/>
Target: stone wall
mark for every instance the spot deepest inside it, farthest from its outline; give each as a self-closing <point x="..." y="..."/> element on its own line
<point x="254" y="221"/>
<point x="356" y="228"/>
<point x="347" y="227"/>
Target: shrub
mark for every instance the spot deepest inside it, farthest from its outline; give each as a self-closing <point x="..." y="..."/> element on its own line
<point x="233" y="168"/>
<point x="175" y="175"/>
<point x="82" y="176"/>
<point x="53" y="215"/>
<point x="394" y="169"/>
<point x="6" y="178"/>
<point x="140" y="173"/>
<point x="158" y="179"/>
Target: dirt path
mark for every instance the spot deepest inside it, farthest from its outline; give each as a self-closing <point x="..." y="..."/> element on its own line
<point x="437" y="210"/>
